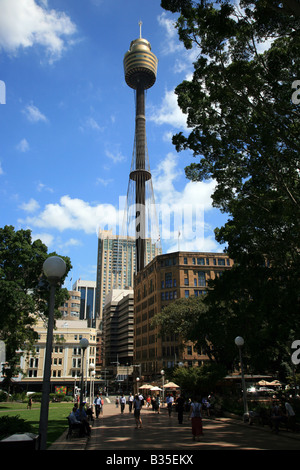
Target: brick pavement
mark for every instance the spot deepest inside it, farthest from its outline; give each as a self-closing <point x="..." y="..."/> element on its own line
<point x="115" y="432"/>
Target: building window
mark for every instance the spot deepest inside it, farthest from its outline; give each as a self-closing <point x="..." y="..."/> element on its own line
<point x="186" y="294"/>
<point x="201" y="279"/>
<point x="185" y="261"/>
<point x="168" y="279"/>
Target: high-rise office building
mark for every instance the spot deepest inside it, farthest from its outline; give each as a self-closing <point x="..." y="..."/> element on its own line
<point x="116" y="264"/>
<point x="118" y="328"/>
<point x="87" y="311"/>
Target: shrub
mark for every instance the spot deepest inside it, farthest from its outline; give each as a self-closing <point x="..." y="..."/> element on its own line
<point x="3" y="395"/>
<point x="13" y="424"/>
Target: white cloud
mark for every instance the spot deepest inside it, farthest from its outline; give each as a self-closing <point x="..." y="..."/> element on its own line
<point x="46" y="238"/>
<point x="30" y="206"/>
<point x="23" y="145"/>
<point x="72" y="242"/>
<point x="171" y="44"/>
<point x="74" y="214"/>
<point x="169" y="112"/>
<point x="116" y="156"/>
<point x="1" y="169"/>
<point x="25" y="23"/>
<point x="204" y="244"/>
<point x="91" y="124"/>
<point x="181" y="210"/>
<point x="33" y="114"/>
<point x="43" y="187"/>
<point x="104" y="182"/>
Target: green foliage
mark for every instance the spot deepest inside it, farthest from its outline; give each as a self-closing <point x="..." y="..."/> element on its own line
<point x="24" y="291"/>
<point x="180" y="317"/>
<point x="199" y="380"/>
<point x="57" y="422"/>
<point x="13" y="424"/>
<point x="244" y="133"/>
<point x="3" y="395"/>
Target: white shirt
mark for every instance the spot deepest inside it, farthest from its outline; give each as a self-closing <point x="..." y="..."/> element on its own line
<point x="289" y="409"/>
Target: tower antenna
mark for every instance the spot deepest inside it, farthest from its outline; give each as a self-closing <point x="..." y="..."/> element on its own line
<point x="140" y="25"/>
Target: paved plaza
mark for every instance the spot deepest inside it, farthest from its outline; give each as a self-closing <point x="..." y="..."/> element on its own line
<point x="115" y="433"/>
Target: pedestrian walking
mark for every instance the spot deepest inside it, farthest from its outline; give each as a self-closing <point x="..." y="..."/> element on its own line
<point x="98" y="405"/>
<point x="277" y="417"/>
<point x="137" y="405"/>
<point x="130" y="402"/>
<point x="122" y="403"/>
<point x="179" y="408"/>
<point x="291" y="416"/>
<point x="169" y="401"/>
<point x="157" y="404"/>
<point x="102" y="404"/>
<point x="196" y="418"/>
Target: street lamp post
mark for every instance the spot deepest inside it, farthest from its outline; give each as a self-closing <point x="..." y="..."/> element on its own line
<point x="93" y="386"/>
<point x="163" y="386"/>
<point x="84" y="342"/>
<point x="137" y="384"/>
<point x="92" y="373"/>
<point x="54" y="268"/>
<point x="239" y="341"/>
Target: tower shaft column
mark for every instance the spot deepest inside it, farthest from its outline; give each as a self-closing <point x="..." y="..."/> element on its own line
<point x="140" y="135"/>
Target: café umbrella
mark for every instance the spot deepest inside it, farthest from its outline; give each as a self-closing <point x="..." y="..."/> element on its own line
<point x="145" y="387"/>
<point x="171" y="386"/>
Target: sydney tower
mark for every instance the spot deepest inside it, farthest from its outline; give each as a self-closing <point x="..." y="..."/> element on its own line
<point x="140" y="68"/>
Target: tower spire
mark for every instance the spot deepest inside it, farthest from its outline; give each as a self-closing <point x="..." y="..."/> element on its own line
<point x="140" y="25"/>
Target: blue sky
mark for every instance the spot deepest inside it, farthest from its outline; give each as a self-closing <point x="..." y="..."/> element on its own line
<point x="67" y="123"/>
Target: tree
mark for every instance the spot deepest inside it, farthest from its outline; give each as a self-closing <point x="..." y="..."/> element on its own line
<point x="245" y="135"/>
<point x="24" y="291"/>
<point x="245" y="127"/>
<point x="180" y="317"/>
<point x="194" y="319"/>
<point x="201" y="380"/>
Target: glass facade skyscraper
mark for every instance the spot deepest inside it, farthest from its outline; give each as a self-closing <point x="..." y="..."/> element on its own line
<point x="116" y="264"/>
<point x="87" y="301"/>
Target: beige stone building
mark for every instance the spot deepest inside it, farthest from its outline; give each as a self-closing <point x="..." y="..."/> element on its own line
<point x="167" y="278"/>
<point x="66" y="355"/>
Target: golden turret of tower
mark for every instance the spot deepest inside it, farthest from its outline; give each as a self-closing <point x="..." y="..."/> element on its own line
<point x="140" y="64"/>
